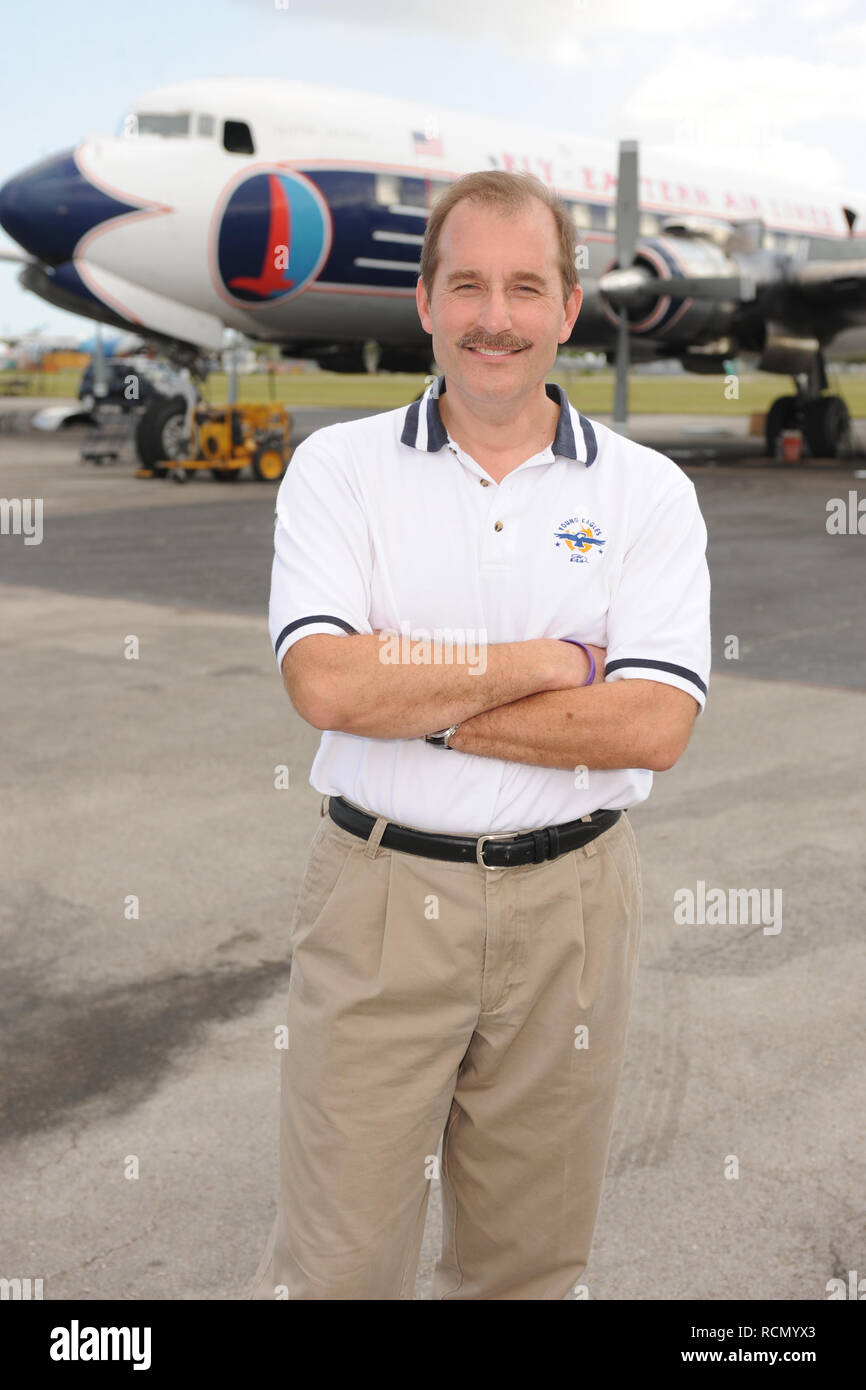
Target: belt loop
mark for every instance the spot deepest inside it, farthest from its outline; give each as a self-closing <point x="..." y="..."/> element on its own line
<point x="323" y="809"/>
<point x="372" y="847"/>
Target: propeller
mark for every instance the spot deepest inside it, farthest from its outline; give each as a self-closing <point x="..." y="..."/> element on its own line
<point x="626" y="248"/>
<point x="630" y="283"/>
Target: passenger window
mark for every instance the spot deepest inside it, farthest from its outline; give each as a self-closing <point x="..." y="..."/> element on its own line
<point x="387" y="189"/>
<point x="413" y="193"/>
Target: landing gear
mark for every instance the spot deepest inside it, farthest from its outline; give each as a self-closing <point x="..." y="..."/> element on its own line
<point x="160" y="435"/>
<point x="824" y="420"/>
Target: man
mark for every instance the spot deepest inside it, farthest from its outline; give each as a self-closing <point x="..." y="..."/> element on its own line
<point x="497" y="612"/>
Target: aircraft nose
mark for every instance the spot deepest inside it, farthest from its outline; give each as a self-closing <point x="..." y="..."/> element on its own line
<point x="48" y="207"/>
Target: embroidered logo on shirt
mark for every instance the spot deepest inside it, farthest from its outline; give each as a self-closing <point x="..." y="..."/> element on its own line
<point x="581" y="536"/>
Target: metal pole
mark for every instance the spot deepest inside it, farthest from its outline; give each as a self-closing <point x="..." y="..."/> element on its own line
<point x="233" y="371"/>
<point x="100" y="383"/>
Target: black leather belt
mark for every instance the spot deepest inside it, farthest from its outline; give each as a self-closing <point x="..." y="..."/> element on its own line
<point x="490" y="851"/>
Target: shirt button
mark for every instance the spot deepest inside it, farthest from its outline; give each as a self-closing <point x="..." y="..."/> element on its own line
<point x="484" y="482"/>
<point x="498" y="526"/>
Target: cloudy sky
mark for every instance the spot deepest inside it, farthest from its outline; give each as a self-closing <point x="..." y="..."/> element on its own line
<point x="754" y="85"/>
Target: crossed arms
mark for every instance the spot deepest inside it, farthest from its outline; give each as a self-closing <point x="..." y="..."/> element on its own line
<point x="529" y="704"/>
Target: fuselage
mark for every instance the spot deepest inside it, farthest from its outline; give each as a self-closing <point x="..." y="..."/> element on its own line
<point x="295" y="214"/>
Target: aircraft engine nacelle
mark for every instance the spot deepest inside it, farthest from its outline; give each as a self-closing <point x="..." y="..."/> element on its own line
<point x="786" y="353"/>
<point x="679" y="289"/>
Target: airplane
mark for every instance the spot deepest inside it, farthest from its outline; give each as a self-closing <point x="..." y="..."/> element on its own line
<point x="294" y="214"/>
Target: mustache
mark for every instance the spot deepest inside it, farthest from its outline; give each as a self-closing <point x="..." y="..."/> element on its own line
<point x="501" y="344"/>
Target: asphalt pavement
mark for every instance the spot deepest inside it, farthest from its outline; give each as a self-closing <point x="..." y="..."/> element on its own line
<point x="150" y="867"/>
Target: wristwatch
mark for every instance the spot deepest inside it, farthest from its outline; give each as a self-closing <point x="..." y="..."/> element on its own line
<point x="440" y="740"/>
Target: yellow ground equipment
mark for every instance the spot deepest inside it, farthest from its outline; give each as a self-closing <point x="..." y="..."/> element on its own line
<point x="225" y="438"/>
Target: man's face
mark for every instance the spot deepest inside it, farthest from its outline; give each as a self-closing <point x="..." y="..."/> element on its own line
<point x="496" y="312"/>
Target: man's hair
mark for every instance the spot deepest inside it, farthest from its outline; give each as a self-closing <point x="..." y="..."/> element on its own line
<point x="509" y="193"/>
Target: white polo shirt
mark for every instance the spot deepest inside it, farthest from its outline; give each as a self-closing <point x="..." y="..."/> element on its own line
<point x="385" y="523"/>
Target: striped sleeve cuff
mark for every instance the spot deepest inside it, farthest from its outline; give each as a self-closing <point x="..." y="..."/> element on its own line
<point x="668" y="672"/>
<point x="305" y="627"/>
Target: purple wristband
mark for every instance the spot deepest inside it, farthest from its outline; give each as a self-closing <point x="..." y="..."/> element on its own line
<point x="591" y="677"/>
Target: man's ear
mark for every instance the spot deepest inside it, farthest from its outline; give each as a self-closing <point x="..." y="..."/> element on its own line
<point x="423" y="303"/>
<point x="570" y="311"/>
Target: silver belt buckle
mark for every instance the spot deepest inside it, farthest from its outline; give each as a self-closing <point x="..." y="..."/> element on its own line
<point x="479" y="848"/>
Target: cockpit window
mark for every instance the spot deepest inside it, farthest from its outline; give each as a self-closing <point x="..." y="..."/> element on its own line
<point x="172" y="127"/>
<point x="205" y="125"/>
<point x="237" y="137"/>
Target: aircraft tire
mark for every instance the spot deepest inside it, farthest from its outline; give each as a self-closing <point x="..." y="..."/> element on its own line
<point x="149" y="441"/>
<point x="782" y="415"/>
<point x="827" y="427"/>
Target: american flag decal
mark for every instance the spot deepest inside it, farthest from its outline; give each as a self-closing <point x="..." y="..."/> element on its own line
<point x="426" y="144"/>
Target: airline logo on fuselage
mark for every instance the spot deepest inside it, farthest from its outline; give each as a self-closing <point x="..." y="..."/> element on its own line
<point x="272" y="236"/>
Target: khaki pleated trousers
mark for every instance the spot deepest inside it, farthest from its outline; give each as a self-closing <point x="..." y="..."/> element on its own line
<point x="486" y="1008"/>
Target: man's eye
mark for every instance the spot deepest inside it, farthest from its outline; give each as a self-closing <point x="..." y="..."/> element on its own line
<point x="531" y="288"/>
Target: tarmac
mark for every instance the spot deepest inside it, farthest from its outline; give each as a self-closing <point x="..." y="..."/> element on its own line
<point x="140" y="1121"/>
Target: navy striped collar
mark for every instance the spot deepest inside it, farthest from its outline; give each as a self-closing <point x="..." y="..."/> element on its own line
<point x="423" y="427"/>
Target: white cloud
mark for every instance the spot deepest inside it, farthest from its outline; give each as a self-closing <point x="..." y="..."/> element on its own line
<point x="559" y="31"/>
<point x="820" y="11"/>
<point x="566" y="52"/>
<point x="847" y="44"/>
<point x="663" y="16"/>
<point x="756" y="95"/>
<point x="748" y="112"/>
<point x="741" y="85"/>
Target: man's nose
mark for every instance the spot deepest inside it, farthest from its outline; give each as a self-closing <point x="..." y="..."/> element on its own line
<point x="495" y="315"/>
